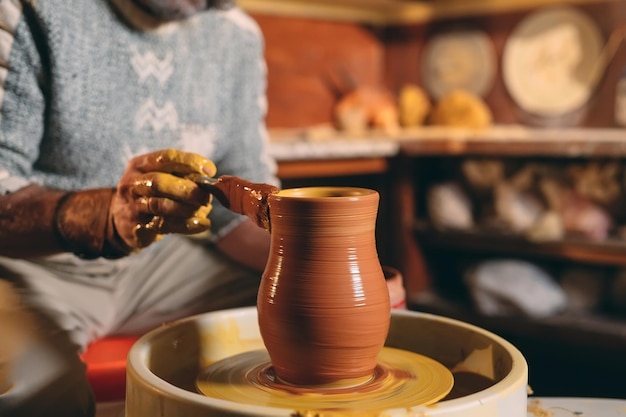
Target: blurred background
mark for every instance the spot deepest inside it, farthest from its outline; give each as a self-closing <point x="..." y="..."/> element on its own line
<point x="494" y="131"/>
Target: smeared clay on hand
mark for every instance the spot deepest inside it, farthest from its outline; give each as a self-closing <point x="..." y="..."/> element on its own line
<point x="153" y="197"/>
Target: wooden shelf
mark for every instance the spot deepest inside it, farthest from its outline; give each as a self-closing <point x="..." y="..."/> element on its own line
<point x="515" y="142"/>
<point x="611" y="252"/>
<point x="509" y="141"/>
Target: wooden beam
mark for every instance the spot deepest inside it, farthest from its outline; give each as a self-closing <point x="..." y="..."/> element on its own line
<point x="385" y="12"/>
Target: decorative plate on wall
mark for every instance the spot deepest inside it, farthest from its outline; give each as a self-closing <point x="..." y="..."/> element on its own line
<point x="461" y="59"/>
<point x="548" y="63"/>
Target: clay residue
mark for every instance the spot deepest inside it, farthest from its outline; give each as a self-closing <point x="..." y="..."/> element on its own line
<point x="402" y="379"/>
<point x="536" y="409"/>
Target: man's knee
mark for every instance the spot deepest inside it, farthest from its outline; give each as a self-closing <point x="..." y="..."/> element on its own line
<point x="41" y="373"/>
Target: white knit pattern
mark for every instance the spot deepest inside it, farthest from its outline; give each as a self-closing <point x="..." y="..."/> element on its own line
<point x="150" y="115"/>
<point x="147" y="65"/>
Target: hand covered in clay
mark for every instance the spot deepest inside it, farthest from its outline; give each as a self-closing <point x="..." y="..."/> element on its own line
<point x="153" y="198"/>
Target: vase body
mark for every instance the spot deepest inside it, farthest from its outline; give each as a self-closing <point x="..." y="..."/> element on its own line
<point x="323" y="303"/>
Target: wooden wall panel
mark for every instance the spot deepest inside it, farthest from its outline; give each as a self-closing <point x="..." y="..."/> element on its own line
<point x="305" y="58"/>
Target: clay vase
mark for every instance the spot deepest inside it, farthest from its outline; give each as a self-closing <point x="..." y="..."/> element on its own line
<point x="323" y="303"/>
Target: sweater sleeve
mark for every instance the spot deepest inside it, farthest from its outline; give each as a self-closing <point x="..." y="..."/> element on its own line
<point x="22" y="98"/>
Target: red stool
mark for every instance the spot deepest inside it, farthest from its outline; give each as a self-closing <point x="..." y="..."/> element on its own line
<point x="106" y="367"/>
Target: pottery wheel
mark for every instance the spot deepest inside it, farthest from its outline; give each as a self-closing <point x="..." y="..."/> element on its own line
<point x="401" y="379"/>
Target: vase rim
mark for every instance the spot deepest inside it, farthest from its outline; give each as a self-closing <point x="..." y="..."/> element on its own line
<point x="324" y="192"/>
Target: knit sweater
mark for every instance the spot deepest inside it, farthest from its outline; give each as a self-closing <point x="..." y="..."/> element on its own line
<point x="85" y="85"/>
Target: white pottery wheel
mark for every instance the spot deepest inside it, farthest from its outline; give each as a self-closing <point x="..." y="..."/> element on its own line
<point x="163" y="364"/>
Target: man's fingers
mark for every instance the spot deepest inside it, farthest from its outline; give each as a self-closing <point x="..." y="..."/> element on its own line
<point x="153" y="198"/>
<point x="165" y="207"/>
<point x="188" y="226"/>
<point x="174" y="161"/>
<point x="147" y="232"/>
<point x="159" y="184"/>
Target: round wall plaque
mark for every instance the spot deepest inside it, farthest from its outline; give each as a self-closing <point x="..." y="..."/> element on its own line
<point x="548" y="61"/>
<point x="460" y="59"/>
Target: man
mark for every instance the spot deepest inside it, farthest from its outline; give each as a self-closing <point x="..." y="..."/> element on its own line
<point x="105" y="106"/>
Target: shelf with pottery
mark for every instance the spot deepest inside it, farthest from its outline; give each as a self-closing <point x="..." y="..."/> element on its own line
<point x="513" y="140"/>
<point x="579" y="145"/>
<point x="554" y="332"/>
<point x="506" y="140"/>
<point x="300" y="155"/>
<point x="436" y="260"/>
<point x="530" y="146"/>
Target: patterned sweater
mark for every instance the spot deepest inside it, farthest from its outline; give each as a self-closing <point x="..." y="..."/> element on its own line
<point x="87" y="84"/>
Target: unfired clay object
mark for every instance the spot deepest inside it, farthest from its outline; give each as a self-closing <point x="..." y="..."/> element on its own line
<point x="323" y="302"/>
<point x="449" y="206"/>
<point x="461" y="109"/>
<point x="413" y="106"/>
<point x="509" y="287"/>
<point x="518" y="210"/>
<point x="367" y="107"/>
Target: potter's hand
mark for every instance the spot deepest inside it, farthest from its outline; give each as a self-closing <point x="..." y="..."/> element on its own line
<point x="153" y="198"/>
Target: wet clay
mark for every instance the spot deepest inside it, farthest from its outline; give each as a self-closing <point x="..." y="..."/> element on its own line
<point x="240" y="196"/>
<point x="323" y="302"/>
<point x="401" y="379"/>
